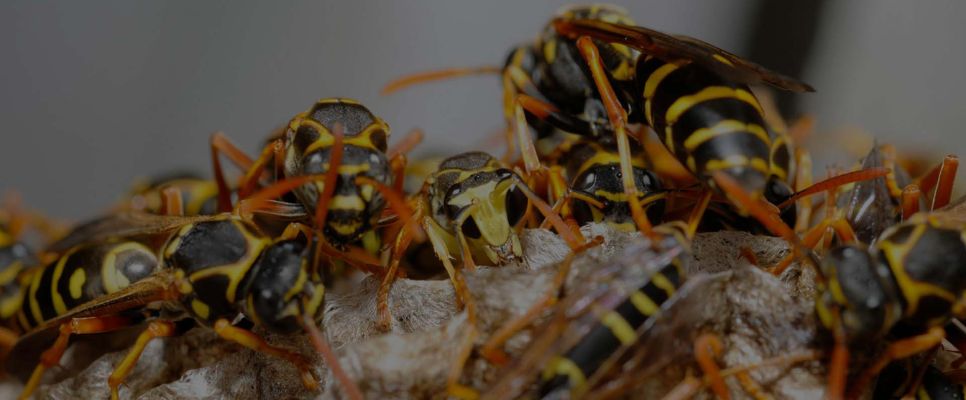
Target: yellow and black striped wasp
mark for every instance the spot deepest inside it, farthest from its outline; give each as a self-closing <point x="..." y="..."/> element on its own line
<point x="592" y="72"/>
<point x="199" y="196"/>
<point x="170" y="272"/>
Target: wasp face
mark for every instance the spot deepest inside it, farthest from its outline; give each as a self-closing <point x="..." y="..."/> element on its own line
<point x="486" y="207"/>
<point x="354" y="206"/>
<point x="603" y="183"/>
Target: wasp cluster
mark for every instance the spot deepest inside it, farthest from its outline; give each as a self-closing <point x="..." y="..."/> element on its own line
<point x="649" y="231"/>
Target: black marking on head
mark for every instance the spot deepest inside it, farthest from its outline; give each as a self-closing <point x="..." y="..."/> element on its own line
<point x="353" y="117"/>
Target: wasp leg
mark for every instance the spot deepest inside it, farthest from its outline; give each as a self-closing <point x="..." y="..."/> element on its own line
<point x="434" y="233"/>
<point x="920" y="372"/>
<point x="839" y="226"/>
<point x="618" y="119"/>
<point x="749" y="255"/>
<point x="401" y="243"/>
<point x="171" y="203"/>
<point x="250" y="179"/>
<point x="396" y="202"/>
<point x="331" y="176"/>
<point x="155" y="329"/>
<point x="944" y="185"/>
<point x="220" y="144"/>
<point x="663" y="163"/>
<point x="697" y="212"/>
<point x="897" y="350"/>
<point x="412" y="139"/>
<point x="322" y="346"/>
<point x="7" y="338"/>
<point x="573" y="239"/>
<point x="768" y="217"/>
<point x="453" y="387"/>
<point x="803" y="179"/>
<point x="707" y="348"/>
<point x="909" y="200"/>
<point x="829" y="184"/>
<point x="246" y="338"/>
<point x="491" y="350"/>
<point x="264" y="200"/>
<point x="540" y="109"/>
<point x="889" y="161"/>
<point x="76" y="326"/>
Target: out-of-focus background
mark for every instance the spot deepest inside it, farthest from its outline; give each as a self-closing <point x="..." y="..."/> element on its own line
<point x="95" y="94"/>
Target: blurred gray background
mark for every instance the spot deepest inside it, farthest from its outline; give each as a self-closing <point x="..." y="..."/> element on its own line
<point x="95" y="94"/>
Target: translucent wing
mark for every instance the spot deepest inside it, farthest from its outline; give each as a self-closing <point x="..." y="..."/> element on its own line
<point x="676" y="48"/>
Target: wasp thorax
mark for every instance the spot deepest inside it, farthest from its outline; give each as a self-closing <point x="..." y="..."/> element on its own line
<point x="863" y="292"/>
<point x="279" y="290"/>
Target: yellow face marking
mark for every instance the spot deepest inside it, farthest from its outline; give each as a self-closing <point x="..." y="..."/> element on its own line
<point x="342" y="202"/>
<point x="560" y="365"/>
<point x="76" y="283"/>
<point x="663" y="283"/>
<point x="684" y="103"/>
<point x="700" y="136"/>
<point x="200" y="308"/>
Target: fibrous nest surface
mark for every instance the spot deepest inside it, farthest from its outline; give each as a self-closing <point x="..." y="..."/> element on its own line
<point x="757" y="316"/>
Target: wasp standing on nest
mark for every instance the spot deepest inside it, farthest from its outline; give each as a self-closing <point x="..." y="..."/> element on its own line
<point x="131" y="268"/>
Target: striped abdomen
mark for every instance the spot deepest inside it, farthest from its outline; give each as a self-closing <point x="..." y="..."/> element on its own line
<point x="82" y="274"/>
<point x="14" y="259"/>
<point x="708" y="123"/>
<point x="616" y="328"/>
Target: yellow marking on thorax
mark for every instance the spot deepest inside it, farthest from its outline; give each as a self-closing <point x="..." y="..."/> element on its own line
<point x="76" y="283"/>
<point x="912" y="290"/>
<point x="619" y="327"/>
<point x="560" y="365"/>
<point x="684" y="103"/>
<point x="700" y="136"/>
<point x="236" y="271"/>
<point x="342" y="202"/>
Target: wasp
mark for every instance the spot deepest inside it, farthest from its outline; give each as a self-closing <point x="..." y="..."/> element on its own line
<point x="199" y="196"/>
<point x="898" y="382"/>
<point x="592" y="72"/>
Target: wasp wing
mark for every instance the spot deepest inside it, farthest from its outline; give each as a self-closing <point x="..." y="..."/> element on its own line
<point x="128" y="302"/>
<point x="123" y="224"/>
<point x="673" y="48"/>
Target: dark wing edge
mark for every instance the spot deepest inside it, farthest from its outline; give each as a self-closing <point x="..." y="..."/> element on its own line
<point x="673" y="48"/>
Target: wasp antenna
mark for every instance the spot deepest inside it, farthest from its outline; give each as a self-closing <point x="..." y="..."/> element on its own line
<point x="438" y="75"/>
<point x="836" y="181"/>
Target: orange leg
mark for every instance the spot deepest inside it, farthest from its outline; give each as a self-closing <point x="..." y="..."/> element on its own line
<point x="171" y="202"/>
<point x="839" y="226"/>
<point x="396" y="202"/>
<point x="748" y="255"/>
<point x="263" y="199"/>
<point x="909" y="200"/>
<point x="491" y="350"/>
<point x="618" y="120"/>
<point x="246" y="338"/>
<point x="322" y="346"/>
<point x="697" y="212"/>
<point x="156" y="329"/>
<point x="397" y="166"/>
<point x="402" y="242"/>
<point x="539" y="108"/>
<point x="573" y="239"/>
<point x="803" y="179"/>
<point x="76" y="326"/>
<point x="896" y="351"/>
<point x="453" y="387"/>
<point x="221" y="145"/>
<point x="7" y="339"/>
<point x="944" y="186"/>
<point x="838" y="368"/>
<point x="431" y="76"/>
<point x="707" y="348"/>
<point x="248" y="181"/>
<point x="407" y="144"/>
<point x="836" y="181"/>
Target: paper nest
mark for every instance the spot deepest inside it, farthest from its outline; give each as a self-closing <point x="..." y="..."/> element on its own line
<point x="757" y="315"/>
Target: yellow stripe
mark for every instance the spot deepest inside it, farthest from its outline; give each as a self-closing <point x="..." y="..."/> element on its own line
<point x="702" y="135"/>
<point x="9" y="274"/>
<point x="341" y="202"/>
<point x="77" y="279"/>
<point x="34" y="305"/>
<point x="683" y="103"/>
<point x="644" y="304"/>
<point x="563" y="366"/>
<point x="58" y="300"/>
<point x="721" y="59"/>
<point x="663" y="283"/>
<point x="200" y="309"/>
<point x="650" y="85"/>
<point x="619" y="327"/>
<point x="737" y="161"/>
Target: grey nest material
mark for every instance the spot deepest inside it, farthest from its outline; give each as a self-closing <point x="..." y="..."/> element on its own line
<point x="757" y="316"/>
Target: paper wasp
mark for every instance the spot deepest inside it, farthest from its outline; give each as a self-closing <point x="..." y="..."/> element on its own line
<point x="199" y="196"/>
<point x="135" y="267"/>
<point x="586" y="75"/>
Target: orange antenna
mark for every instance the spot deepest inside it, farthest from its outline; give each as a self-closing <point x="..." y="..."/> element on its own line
<point x="438" y="75"/>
